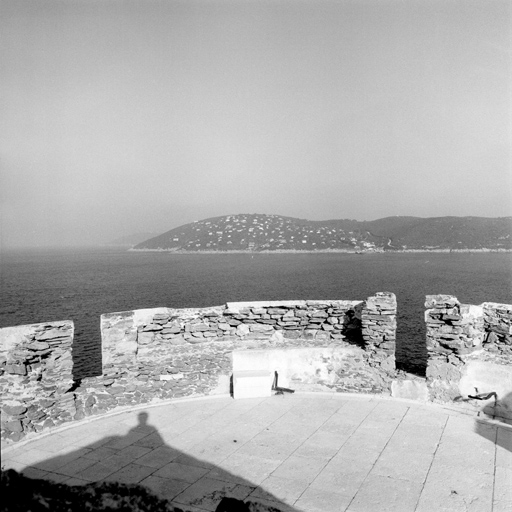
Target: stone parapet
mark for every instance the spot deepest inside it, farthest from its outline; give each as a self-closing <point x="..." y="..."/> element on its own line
<point x="378" y="323"/>
<point x="142" y="335"/>
<point x="498" y="328"/>
<point x="323" y="321"/>
<point x="452" y="327"/>
<point x="469" y="354"/>
<point x="35" y="377"/>
<point x="163" y="353"/>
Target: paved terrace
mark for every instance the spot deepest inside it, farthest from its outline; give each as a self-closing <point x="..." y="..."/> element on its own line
<point x="302" y="452"/>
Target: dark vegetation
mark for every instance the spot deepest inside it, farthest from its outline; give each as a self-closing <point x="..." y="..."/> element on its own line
<point x="258" y="232"/>
<point x="23" y="494"/>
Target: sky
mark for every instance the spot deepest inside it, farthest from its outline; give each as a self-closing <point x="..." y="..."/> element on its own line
<point x="120" y="117"/>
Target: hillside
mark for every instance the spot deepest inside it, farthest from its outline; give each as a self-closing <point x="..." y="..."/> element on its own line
<point x="260" y="232"/>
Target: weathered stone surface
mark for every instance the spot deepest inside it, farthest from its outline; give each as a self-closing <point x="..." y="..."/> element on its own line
<point x="37" y="359"/>
<point x="440" y="301"/>
<point x="462" y="337"/>
<point x="14" y="410"/>
<point x="152" y="327"/>
<point x="13" y="426"/>
<point x="37" y="345"/>
<point x="145" y="338"/>
<point x="16" y="369"/>
<point x="160" y="318"/>
<point x="410" y="389"/>
<point x="140" y="347"/>
<point x="171" y="329"/>
<point x="242" y="330"/>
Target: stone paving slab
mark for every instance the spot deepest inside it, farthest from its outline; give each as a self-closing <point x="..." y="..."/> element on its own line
<point x="302" y="452"/>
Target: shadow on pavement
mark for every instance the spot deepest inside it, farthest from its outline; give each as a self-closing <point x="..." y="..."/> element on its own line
<point x="142" y="457"/>
<point x="499" y="410"/>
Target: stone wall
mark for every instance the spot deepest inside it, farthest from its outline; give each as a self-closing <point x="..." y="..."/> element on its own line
<point x="469" y="353"/>
<point x="35" y="375"/>
<point x="498" y="329"/>
<point x="163" y="353"/>
<point x="146" y="334"/>
<point x="322" y="321"/>
<point x="123" y="334"/>
<point x="378" y="322"/>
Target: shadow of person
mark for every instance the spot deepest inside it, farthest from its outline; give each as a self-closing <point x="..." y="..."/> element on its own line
<point x="143" y="425"/>
<point x="139" y="466"/>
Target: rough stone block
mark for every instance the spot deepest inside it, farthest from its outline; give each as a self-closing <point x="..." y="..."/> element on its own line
<point x="441" y="301"/>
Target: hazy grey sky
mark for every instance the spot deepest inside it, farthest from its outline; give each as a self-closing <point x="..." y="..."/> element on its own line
<point x="127" y="116"/>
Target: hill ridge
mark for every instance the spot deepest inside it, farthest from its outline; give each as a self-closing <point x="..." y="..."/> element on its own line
<point x="263" y="232"/>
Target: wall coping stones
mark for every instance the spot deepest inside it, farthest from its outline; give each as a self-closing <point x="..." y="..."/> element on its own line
<point x="235" y="307"/>
<point x="141" y="316"/>
<point x="497" y="305"/>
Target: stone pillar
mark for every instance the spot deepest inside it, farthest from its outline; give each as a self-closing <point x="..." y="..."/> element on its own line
<point x="35" y="377"/>
<point x="378" y="322"/>
<point x="498" y="328"/>
<point x="454" y="331"/>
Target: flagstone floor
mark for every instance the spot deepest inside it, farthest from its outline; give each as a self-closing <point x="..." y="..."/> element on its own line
<point x="302" y="452"/>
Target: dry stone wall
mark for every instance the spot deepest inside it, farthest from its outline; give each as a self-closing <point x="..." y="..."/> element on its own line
<point x="378" y="321"/>
<point x="147" y="336"/>
<point x="310" y="320"/>
<point x="498" y="329"/>
<point x="35" y="375"/>
<point x="167" y="352"/>
<point x="469" y="353"/>
<point x="163" y="353"/>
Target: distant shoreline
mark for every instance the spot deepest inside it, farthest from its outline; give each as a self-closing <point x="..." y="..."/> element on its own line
<point x="325" y="251"/>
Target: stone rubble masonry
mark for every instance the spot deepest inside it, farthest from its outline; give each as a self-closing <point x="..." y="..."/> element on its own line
<point x="379" y="329"/>
<point x="163" y="353"/>
<point x="140" y="336"/>
<point x="498" y="327"/>
<point x="469" y="353"/>
<point x="35" y="375"/>
<point x="175" y="351"/>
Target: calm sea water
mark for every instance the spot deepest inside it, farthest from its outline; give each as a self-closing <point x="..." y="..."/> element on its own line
<point x="40" y="286"/>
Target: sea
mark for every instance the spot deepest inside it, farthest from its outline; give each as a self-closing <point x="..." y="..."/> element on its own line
<point x="81" y="284"/>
